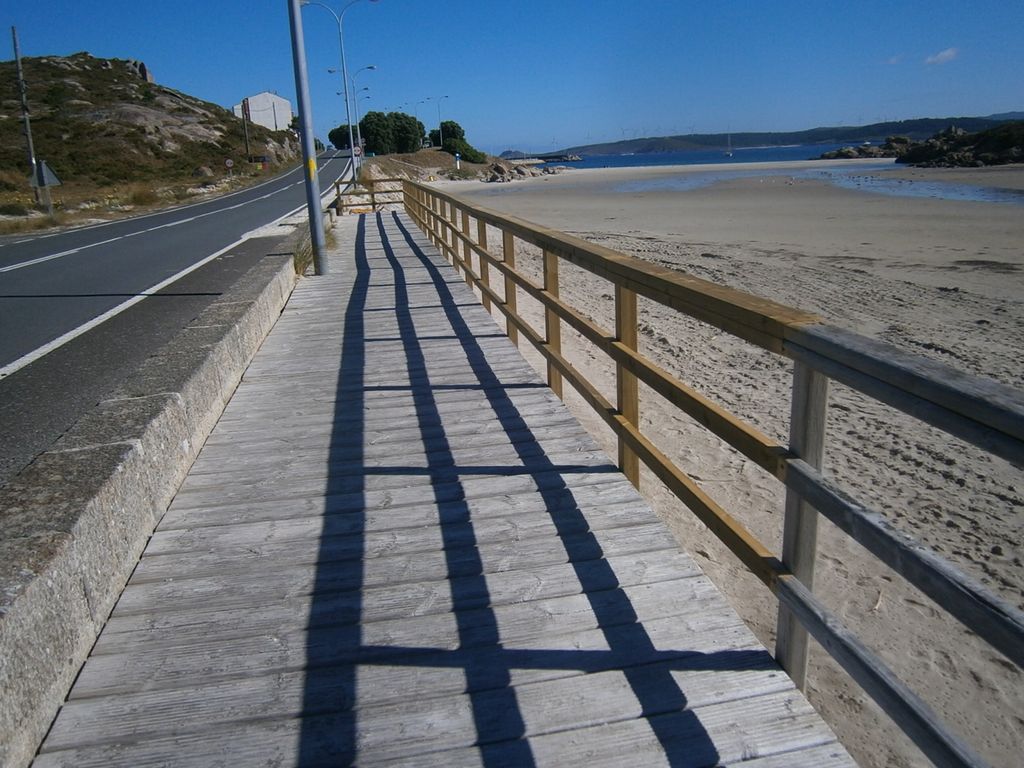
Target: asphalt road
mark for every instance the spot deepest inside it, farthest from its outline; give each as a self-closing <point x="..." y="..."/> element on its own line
<point x="60" y="355"/>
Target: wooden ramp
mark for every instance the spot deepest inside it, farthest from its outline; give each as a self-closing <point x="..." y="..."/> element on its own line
<point x="399" y="548"/>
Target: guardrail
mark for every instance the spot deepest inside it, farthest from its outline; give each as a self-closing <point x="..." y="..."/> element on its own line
<point x="367" y="195"/>
<point x="977" y="410"/>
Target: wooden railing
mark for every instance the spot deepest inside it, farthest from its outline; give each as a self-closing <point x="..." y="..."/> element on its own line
<point x="366" y="195"/>
<point x="977" y="410"/>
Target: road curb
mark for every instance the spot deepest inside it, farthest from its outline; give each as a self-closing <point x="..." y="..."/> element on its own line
<point x="74" y="522"/>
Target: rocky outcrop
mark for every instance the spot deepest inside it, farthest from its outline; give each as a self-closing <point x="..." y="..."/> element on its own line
<point x="504" y="171"/>
<point x="951" y="148"/>
<point x="955" y="148"/>
<point x="894" y="146"/>
<point x="90" y="115"/>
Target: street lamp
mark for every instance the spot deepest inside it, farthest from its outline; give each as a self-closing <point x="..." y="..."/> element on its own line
<point x="416" y="114"/>
<point x="339" y="17"/>
<point x="355" y="98"/>
<point x="440" y="130"/>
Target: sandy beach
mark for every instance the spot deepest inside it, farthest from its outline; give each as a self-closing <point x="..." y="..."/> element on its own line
<point x="937" y="277"/>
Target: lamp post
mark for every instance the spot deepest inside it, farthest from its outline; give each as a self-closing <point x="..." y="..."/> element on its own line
<point x="416" y="114"/>
<point x="339" y="17"/>
<point x="440" y="130"/>
<point x="355" y="97"/>
<point x="359" y="132"/>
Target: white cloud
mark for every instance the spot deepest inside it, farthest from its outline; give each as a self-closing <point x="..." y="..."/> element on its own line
<point x="895" y="59"/>
<point x="942" y="56"/>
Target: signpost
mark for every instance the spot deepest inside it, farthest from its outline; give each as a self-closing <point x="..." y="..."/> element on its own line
<point x="42" y="180"/>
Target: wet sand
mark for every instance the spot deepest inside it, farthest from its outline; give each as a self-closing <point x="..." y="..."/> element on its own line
<point x="940" y="278"/>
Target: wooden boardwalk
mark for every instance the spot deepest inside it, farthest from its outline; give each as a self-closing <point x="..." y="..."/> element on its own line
<point x="399" y="548"/>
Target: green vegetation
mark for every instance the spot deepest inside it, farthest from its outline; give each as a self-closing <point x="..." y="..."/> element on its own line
<point x="97" y="123"/>
<point x="462" y="148"/>
<point x="383" y="134"/>
<point x="399" y="133"/>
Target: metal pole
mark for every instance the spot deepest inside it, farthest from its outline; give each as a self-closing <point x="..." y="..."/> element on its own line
<point x="344" y="77"/>
<point x="316" y="226"/>
<point x="23" y="90"/>
<point x="245" y="128"/>
<point x="359" y="133"/>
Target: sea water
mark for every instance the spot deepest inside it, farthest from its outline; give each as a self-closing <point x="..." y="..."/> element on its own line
<point x="863" y="175"/>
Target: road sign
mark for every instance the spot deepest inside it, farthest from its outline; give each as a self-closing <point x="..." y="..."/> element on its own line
<point x="44" y="176"/>
<point x="229" y="163"/>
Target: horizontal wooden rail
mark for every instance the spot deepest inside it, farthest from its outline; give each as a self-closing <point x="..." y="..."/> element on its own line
<point x="983" y="412"/>
<point x="371" y="188"/>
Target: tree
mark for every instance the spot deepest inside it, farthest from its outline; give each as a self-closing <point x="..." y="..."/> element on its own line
<point x="449" y="130"/>
<point x="462" y="148"/>
<point x="407" y="132"/>
<point x="339" y="137"/>
<point x="376" y="130"/>
<point x="452" y="130"/>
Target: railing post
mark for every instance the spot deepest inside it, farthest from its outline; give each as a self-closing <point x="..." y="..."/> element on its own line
<point x="373" y="194"/>
<point x="626" y="383"/>
<point x="438" y="207"/>
<point x="481" y="239"/>
<point x="452" y="229"/>
<point x="467" y="253"/>
<point x="508" y="249"/>
<point x="552" y="323"/>
<point x="800" y="531"/>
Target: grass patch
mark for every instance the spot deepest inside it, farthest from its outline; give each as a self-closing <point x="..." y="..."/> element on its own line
<point x="13" y="209"/>
<point x="143" y="197"/>
<point x="34" y="224"/>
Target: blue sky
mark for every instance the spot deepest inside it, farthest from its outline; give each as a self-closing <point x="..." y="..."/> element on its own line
<point x="546" y="74"/>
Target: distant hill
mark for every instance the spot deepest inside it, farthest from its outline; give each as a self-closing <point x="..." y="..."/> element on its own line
<point x="103" y="121"/>
<point x="915" y="129"/>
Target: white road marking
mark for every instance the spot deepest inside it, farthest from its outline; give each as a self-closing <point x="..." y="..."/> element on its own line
<point x="88" y="227"/>
<point x="35" y="354"/>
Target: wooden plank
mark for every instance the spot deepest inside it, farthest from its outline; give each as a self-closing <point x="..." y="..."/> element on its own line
<point x="481" y="238"/>
<point x="626" y="388"/>
<point x="800" y="528"/>
<point x="980" y="411"/>
<point x="385" y="681"/>
<point x="477" y="498"/>
<point x="208" y="658"/>
<point x="996" y="621"/>
<point x="304" y="598"/>
<point x="552" y="323"/>
<point x="915" y="718"/>
<point x="509" y="257"/>
<point x="334" y="555"/>
<point x="709" y="734"/>
<point x="466" y="253"/>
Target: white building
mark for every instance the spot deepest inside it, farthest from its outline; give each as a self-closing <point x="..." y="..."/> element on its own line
<point x="269" y="110"/>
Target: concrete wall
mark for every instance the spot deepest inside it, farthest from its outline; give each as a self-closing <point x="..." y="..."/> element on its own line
<point x="74" y="522"/>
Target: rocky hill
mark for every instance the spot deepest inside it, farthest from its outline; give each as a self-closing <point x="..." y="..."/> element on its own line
<point x="951" y="148"/>
<point x="104" y="121"/>
<point x="920" y="129"/>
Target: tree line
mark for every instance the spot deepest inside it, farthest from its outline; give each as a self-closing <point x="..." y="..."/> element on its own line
<point x="398" y="132"/>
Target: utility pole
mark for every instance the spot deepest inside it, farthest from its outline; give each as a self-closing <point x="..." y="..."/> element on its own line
<point x="23" y="90"/>
<point x="245" y="128"/>
<point x="316" y="226"/>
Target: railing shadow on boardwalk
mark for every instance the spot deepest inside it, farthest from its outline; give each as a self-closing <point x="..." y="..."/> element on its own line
<point x="335" y="647"/>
